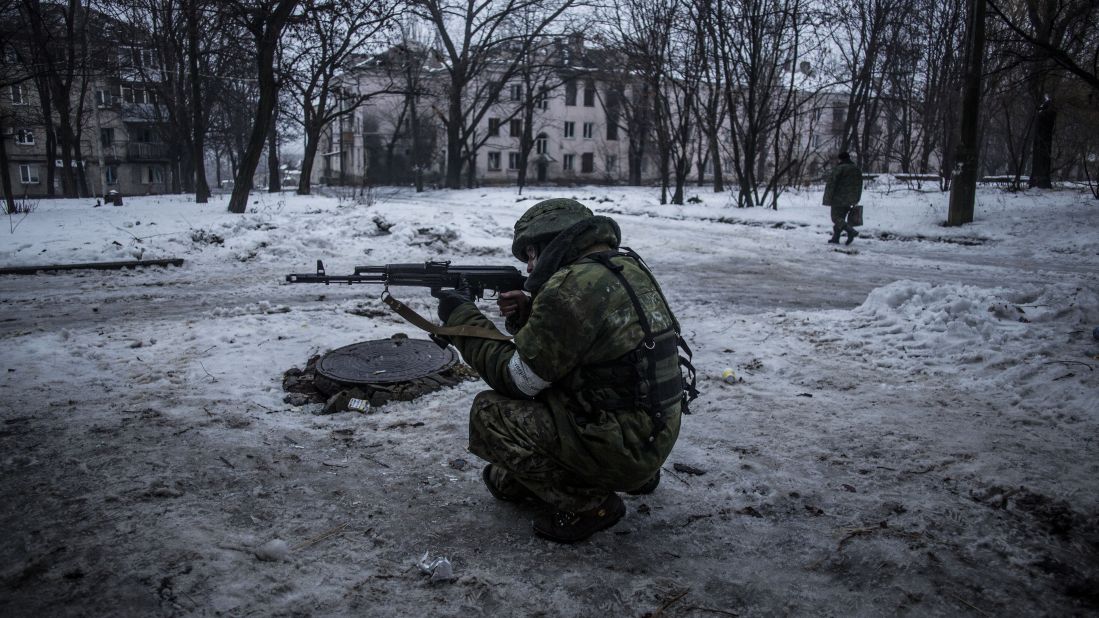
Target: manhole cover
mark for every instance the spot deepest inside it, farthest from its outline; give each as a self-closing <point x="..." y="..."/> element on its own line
<point x="385" y="361"/>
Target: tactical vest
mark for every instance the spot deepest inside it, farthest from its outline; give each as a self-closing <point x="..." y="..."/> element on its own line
<point x="653" y="371"/>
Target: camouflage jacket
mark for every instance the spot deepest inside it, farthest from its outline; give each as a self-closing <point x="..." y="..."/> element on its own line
<point x="844" y="186"/>
<point x="582" y="316"/>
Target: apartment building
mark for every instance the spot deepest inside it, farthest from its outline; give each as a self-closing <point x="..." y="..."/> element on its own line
<point x="576" y="130"/>
<point x="121" y="128"/>
<point x="579" y="130"/>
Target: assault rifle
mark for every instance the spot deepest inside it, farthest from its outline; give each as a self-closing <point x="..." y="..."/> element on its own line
<point x="434" y="275"/>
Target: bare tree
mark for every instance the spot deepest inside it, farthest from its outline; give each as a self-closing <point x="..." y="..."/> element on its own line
<point x="266" y="21"/>
<point x="1059" y="39"/>
<point x="867" y="36"/>
<point x="482" y="49"/>
<point x="680" y="91"/>
<point x="541" y="72"/>
<point x="324" y="46"/>
<point x="643" y="32"/>
<point x="937" y="36"/>
<point x="711" y="110"/>
<point x="407" y="67"/>
<point x="1064" y="32"/>
<point x="60" y="50"/>
<point x="752" y="40"/>
<point x="186" y="40"/>
<point x="12" y="73"/>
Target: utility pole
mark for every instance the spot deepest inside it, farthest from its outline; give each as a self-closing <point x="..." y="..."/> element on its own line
<point x="963" y="184"/>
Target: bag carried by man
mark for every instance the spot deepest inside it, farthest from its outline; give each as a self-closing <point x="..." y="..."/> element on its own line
<point x="854" y="216"/>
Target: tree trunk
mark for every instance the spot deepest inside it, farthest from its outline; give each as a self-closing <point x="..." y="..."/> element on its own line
<point x="232" y="163"/>
<point x="274" y="174"/>
<point x="266" y="42"/>
<point x="1042" y="159"/>
<point x="5" y="174"/>
<point x="454" y="140"/>
<point x="526" y="140"/>
<point x="217" y="166"/>
<point x="176" y="174"/>
<point x="471" y="170"/>
<point x="715" y="152"/>
<point x="51" y="156"/>
<point x="198" y="120"/>
<point x="312" y="141"/>
<point x="636" y="155"/>
<point x="417" y="156"/>
<point x="68" y="179"/>
<point x="963" y="189"/>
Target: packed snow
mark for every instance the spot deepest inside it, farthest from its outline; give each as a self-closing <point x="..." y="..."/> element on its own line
<point x="903" y="425"/>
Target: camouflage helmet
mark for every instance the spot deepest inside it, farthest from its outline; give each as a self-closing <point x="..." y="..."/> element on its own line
<point x="545" y="220"/>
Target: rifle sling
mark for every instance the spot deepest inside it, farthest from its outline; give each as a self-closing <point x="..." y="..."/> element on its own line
<point x="422" y="323"/>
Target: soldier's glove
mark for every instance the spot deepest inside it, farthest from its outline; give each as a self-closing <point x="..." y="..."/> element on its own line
<point x="449" y="300"/>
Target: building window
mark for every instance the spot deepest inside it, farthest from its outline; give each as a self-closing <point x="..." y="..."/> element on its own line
<point x="839" y="117"/>
<point x="541" y="144"/>
<point x="570" y="93"/>
<point x="589" y="129"/>
<point x="154" y="174"/>
<point x="106" y="137"/>
<point x="516" y="92"/>
<point x="493" y="127"/>
<point x="612" y="130"/>
<point x="570" y="129"/>
<point x="130" y="94"/>
<point x="587" y="163"/>
<point x="515" y="127"/>
<point x="612" y="164"/>
<point x="567" y="162"/>
<point x="18" y="96"/>
<point x="543" y="100"/>
<point x="28" y="174"/>
<point x="111" y="174"/>
<point x="513" y="160"/>
<point x="138" y="58"/>
<point x="589" y="94"/>
<point x="494" y="161"/>
<point x="103" y="98"/>
<point x="24" y="137"/>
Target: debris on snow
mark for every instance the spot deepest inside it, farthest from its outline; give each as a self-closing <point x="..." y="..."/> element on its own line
<point x="438" y="568"/>
<point x="275" y="550"/>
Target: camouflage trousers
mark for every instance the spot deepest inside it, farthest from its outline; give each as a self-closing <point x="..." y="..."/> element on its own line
<point x="519" y="436"/>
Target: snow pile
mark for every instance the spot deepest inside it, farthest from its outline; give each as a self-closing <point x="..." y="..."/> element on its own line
<point x="1025" y="343"/>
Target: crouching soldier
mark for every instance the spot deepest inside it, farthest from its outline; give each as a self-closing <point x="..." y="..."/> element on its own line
<point x="586" y="399"/>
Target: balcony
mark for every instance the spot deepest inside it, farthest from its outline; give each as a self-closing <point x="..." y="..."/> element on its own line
<point x="142" y="112"/>
<point x="147" y="151"/>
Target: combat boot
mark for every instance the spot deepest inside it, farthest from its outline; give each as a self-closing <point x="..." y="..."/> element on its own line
<point x="504" y="487"/>
<point x="648" y="488"/>
<point x="571" y="527"/>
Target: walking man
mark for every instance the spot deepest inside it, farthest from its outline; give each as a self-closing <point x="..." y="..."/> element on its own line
<point x="844" y="190"/>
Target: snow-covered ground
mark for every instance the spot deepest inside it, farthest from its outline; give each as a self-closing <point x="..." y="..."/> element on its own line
<point x="912" y="429"/>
